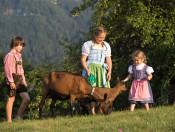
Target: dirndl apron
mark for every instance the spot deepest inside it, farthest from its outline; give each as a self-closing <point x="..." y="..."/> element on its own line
<point x="140" y="89"/>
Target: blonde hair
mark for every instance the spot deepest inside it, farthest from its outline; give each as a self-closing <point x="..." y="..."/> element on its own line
<point x="140" y="54"/>
<point x="97" y="31"/>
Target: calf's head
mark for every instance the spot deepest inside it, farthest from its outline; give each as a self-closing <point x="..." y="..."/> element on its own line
<point x="106" y="107"/>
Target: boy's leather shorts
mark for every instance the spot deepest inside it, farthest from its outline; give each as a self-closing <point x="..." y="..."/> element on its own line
<point x="13" y="92"/>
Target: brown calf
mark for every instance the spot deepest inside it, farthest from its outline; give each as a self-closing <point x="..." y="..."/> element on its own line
<point x="106" y="106"/>
<point x="110" y="93"/>
<point x="67" y="86"/>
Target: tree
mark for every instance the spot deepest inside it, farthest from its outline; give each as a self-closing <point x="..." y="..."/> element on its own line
<point x="147" y="25"/>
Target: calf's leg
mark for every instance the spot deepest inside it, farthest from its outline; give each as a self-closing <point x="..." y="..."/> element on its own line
<point x="52" y="105"/>
<point x="84" y="105"/>
<point x="72" y="100"/>
<point x="44" y="96"/>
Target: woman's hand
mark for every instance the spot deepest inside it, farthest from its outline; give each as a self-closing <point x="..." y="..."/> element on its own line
<point x="88" y="72"/>
<point x="12" y="85"/>
<point x="108" y="76"/>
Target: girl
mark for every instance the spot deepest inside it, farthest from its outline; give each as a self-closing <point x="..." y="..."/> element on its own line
<point x="13" y="64"/>
<point x="141" y="73"/>
<point x="94" y="55"/>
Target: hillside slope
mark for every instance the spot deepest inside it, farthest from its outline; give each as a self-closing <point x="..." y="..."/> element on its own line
<point x="42" y="23"/>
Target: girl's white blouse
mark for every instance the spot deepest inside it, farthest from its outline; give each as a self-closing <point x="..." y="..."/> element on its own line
<point x="149" y="69"/>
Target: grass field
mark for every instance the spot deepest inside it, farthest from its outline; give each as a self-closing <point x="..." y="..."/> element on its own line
<point x="159" y="119"/>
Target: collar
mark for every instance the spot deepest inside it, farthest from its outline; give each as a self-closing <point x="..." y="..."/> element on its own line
<point x="13" y="51"/>
<point x="140" y="67"/>
<point x="93" y="90"/>
<point x="96" y="47"/>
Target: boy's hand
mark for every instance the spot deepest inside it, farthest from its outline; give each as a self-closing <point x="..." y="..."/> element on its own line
<point x="12" y="85"/>
<point x="25" y="84"/>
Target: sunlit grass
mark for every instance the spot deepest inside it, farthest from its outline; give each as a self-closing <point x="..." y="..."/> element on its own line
<point x="159" y="119"/>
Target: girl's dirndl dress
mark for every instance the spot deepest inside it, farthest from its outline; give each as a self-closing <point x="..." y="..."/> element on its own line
<point x="96" y="62"/>
<point x="140" y="89"/>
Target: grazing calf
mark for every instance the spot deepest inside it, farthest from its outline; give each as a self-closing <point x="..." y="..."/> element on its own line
<point x="107" y="106"/>
<point x="110" y="93"/>
<point x="67" y="86"/>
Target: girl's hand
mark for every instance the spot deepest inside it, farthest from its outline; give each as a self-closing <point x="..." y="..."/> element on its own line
<point x="12" y="85"/>
<point x="149" y="77"/>
<point x="127" y="78"/>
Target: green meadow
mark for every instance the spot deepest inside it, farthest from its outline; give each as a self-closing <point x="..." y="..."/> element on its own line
<point x="158" y="119"/>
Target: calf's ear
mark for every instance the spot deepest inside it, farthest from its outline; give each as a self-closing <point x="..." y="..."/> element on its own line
<point x="118" y="80"/>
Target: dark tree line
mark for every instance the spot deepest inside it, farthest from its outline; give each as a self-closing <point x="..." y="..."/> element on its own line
<point x="147" y="25"/>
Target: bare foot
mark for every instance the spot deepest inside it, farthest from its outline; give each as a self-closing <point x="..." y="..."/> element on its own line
<point x="9" y="121"/>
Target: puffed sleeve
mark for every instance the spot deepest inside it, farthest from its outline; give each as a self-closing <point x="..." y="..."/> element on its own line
<point x="85" y="49"/>
<point x="130" y="69"/>
<point x="149" y="70"/>
<point x="108" y="49"/>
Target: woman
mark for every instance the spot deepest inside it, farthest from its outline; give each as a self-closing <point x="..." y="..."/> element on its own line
<point x="96" y="60"/>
